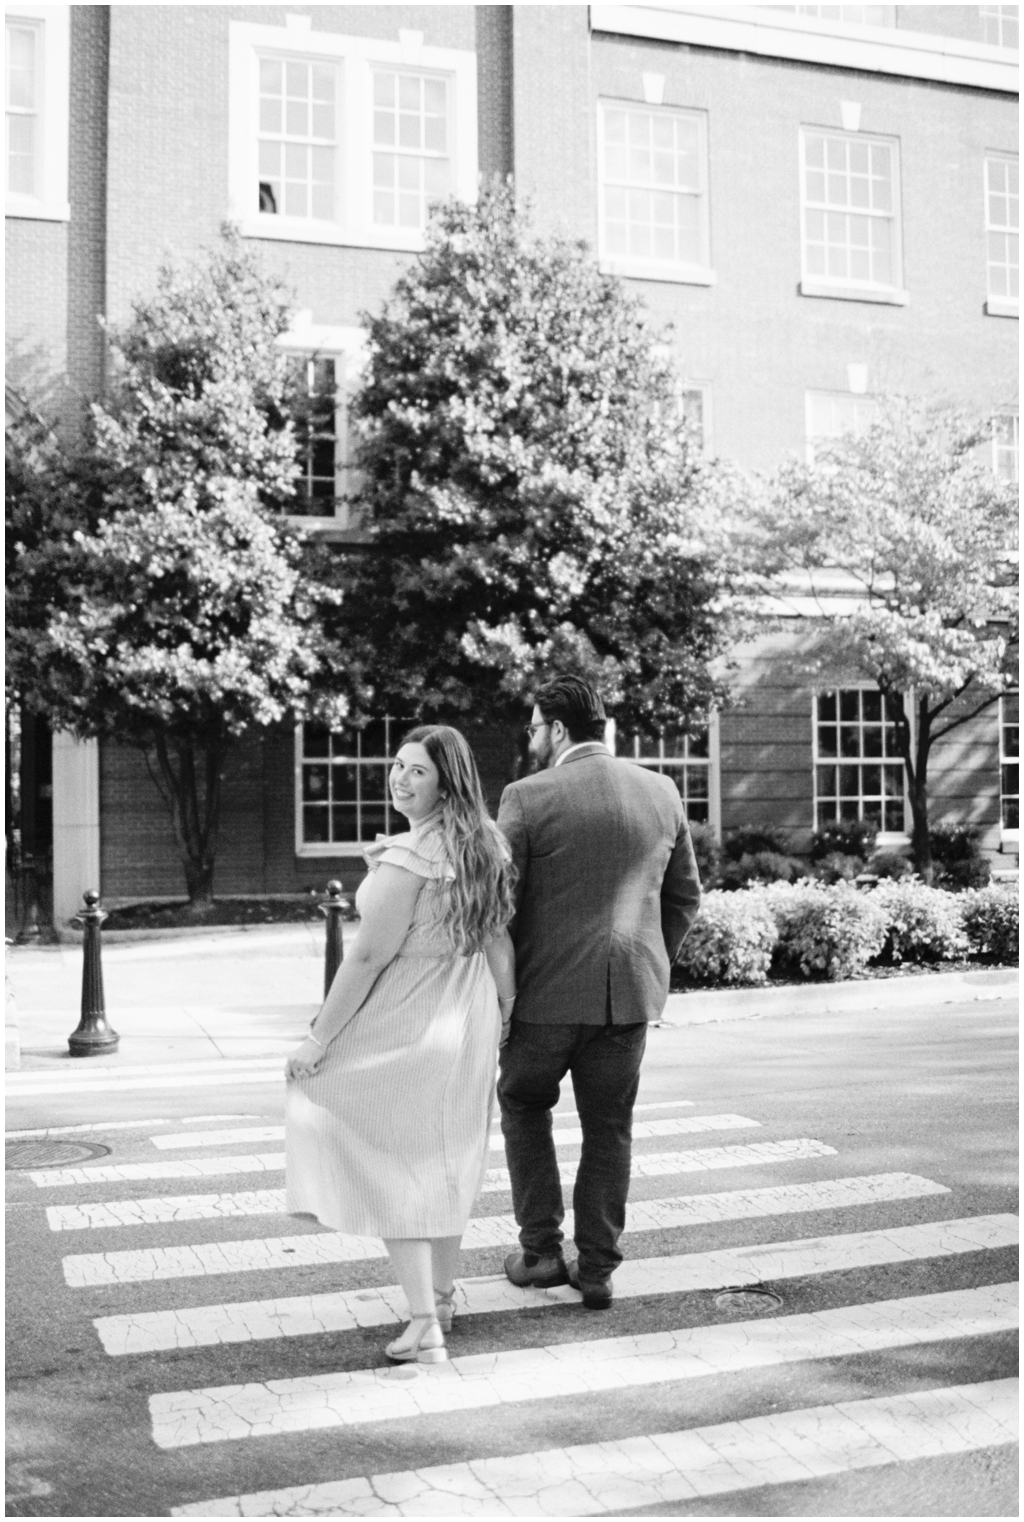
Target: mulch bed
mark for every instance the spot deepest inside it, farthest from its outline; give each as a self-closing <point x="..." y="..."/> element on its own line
<point x="223" y="911"/>
<point x="869" y="975"/>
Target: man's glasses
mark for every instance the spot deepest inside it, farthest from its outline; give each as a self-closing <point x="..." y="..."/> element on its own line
<point x="531" y="729"/>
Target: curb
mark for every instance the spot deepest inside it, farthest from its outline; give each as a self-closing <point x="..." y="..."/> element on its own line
<point x="701" y="1008"/>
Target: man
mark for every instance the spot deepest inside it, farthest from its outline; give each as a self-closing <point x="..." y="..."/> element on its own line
<point x="607" y="889"/>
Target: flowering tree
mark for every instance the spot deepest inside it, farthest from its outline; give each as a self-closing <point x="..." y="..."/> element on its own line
<point x="159" y="600"/>
<point x="912" y="510"/>
<point x="531" y="498"/>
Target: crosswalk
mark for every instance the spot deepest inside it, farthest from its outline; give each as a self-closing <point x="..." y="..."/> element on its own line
<point x="192" y="1277"/>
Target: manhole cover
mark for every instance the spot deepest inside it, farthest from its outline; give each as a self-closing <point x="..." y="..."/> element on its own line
<point x="51" y="1154"/>
<point x="748" y="1300"/>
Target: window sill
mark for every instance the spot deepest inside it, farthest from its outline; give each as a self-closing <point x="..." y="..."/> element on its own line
<point x="27" y="208"/>
<point x="650" y="269"/>
<point x="888" y="840"/>
<point x="1002" y="306"/>
<point x="327" y="529"/>
<point x="291" y="230"/>
<point x="347" y="849"/>
<point x="881" y="295"/>
<point x="1009" y="841"/>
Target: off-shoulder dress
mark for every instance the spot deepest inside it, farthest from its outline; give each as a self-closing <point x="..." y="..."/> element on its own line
<point x="389" y="1137"/>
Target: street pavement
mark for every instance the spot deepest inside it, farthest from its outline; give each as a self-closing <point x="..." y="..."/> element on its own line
<point x="816" y="1316"/>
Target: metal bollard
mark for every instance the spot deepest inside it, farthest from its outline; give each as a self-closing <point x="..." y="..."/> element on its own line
<point x="332" y="909"/>
<point x="93" y="1037"/>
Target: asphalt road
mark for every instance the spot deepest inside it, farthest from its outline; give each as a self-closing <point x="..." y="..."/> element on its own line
<point x="824" y="1155"/>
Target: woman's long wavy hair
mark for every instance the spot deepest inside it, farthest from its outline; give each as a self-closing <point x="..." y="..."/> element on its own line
<point x="480" y="903"/>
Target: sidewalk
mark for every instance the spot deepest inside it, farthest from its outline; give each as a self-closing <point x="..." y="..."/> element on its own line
<point x="249" y="994"/>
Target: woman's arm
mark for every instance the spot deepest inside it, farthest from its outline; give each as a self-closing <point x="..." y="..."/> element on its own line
<point x="387" y="910"/>
<point x="501" y="959"/>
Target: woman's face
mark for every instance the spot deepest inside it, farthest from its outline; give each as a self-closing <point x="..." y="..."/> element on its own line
<point x="415" y="783"/>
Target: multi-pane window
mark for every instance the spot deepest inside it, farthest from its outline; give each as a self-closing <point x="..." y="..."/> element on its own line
<point x="849" y="209"/>
<point x="22" y="108"/>
<point x="343" y="785"/>
<point x="654" y="194"/>
<point x="1000" y="25"/>
<point x="316" y="429"/>
<point x="411" y="153"/>
<point x="298" y="144"/>
<point x="858" y="773"/>
<point x="686" y="760"/>
<point x="1009" y="761"/>
<point x="859" y="15"/>
<point x="831" y="414"/>
<point x="1006" y="446"/>
<point x="1002" y="226"/>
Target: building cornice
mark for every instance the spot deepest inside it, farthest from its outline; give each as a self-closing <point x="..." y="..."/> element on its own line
<point x="772" y="33"/>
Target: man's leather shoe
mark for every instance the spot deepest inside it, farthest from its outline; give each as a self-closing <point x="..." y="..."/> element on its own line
<point x="530" y="1269"/>
<point x="597" y="1293"/>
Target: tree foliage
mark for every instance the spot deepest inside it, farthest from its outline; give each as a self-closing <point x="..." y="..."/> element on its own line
<point x="159" y="599"/>
<point x="912" y="511"/>
<point x="531" y="499"/>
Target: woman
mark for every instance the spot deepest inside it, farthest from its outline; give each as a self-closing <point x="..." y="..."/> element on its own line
<point x="389" y="1105"/>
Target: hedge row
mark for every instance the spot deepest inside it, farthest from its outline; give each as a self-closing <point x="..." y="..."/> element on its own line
<point x="814" y="930"/>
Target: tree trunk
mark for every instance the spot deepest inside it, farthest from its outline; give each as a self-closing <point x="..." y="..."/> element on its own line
<point x="189" y="780"/>
<point x="915" y="765"/>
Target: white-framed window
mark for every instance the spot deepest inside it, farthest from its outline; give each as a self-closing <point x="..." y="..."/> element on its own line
<point x="850" y="210"/>
<point x="1002" y="233"/>
<point x="346" y="140"/>
<point x="653" y="210"/>
<point x="831" y="414"/>
<point x="1000" y="25"/>
<point x="1009" y="766"/>
<point x="342" y="800"/>
<point x="37" y="46"/>
<point x="850" y="15"/>
<point x="327" y="363"/>
<point x="858" y="771"/>
<point x="1006" y="446"/>
<point x="693" y="764"/>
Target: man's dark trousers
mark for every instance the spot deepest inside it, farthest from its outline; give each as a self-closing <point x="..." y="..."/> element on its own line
<point x="604" y="1061"/>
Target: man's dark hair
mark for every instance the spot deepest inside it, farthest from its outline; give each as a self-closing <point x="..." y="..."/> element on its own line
<point x="576" y="703"/>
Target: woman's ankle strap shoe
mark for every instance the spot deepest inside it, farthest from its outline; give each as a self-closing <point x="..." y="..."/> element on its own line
<point x="423" y="1342"/>
<point x="444" y="1305"/>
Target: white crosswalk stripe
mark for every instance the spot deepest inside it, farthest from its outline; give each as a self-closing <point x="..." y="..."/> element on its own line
<point x="309" y="1315"/>
<point x="200" y="1207"/>
<point x="262" y="1253"/>
<point x="565" y="1136"/>
<point x="647" y="1469"/>
<point x="182" y="1418"/>
<point x="591" y="1478"/>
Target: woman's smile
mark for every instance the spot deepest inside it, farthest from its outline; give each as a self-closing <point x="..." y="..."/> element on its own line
<point x="415" y="783"/>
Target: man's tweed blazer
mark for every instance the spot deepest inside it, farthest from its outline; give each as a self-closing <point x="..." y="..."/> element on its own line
<point x="607" y="889"/>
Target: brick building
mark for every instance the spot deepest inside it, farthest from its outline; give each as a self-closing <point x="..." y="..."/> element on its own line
<point x="822" y="200"/>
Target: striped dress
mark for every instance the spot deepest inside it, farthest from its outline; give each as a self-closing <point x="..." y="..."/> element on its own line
<point x="389" y="1137"/>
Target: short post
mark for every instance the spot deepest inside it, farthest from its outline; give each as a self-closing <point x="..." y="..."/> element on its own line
<point x="332" y="909"/>
<point x="93" y="1036"/>
<point x="28" y="929"/>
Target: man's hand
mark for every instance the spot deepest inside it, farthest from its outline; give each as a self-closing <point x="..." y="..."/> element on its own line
<point x="305" y="1059"/>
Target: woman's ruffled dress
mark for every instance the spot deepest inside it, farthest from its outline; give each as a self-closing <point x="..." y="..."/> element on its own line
<point x="389" y="1137"/>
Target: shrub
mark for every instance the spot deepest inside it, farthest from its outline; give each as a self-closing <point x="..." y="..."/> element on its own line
<point x="732" y="941"/>
<point x="826" y="932"/>
<point x="748" y="842"/>
<point x="851" y="837"/>
<point x="922" y="924"/>
<point x="890" y="864"/>
<point x="837" y="867"/>
<point x="761" y="867"/>
<point x="708" y="853"/>
<point x="991" y="922"/>
<point x="958" y="858"/>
